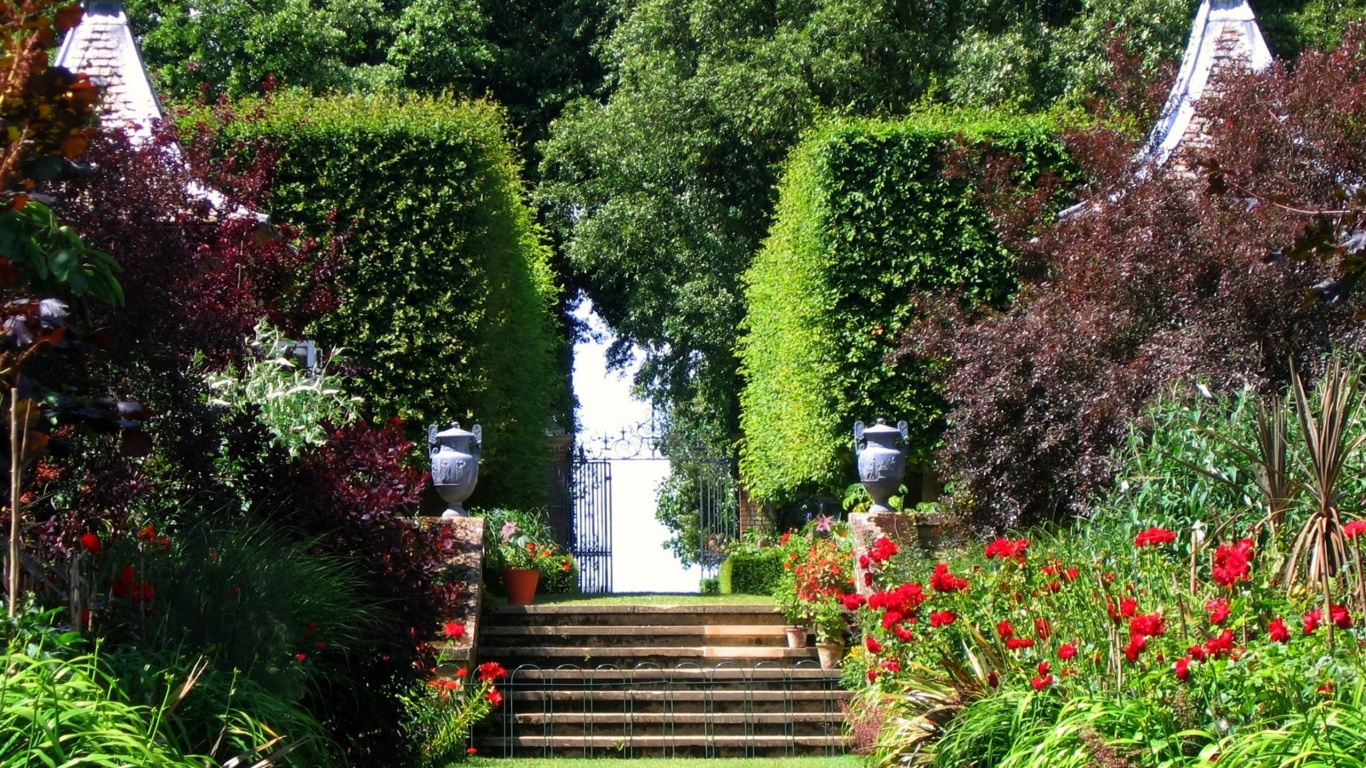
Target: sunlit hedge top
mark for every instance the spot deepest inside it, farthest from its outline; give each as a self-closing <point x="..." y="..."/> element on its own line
<point x="867" y="219"/>
<point x="448" y="294"/>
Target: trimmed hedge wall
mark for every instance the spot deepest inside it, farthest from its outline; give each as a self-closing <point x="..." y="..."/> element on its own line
<point x="866" y="219"/>
<point x="448" y="298"/>
<point x="755" y="573"/>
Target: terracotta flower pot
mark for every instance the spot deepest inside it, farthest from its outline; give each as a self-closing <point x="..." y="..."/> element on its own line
<point x="521" y="585"/>
<point x="796" y="636"/>
<point x="830" y="654"/>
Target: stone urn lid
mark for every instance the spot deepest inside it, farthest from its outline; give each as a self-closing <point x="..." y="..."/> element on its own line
<point x="880" y="430"/>
<point x="453" y="430"/>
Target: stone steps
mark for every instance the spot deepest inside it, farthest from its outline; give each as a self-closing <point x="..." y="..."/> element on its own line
<point x="640" y="681"/>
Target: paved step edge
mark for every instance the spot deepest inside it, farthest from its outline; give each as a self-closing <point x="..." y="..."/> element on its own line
<point x="646" y="742"/>
<point x="707" y="630"/>
<point x="671" y="651"/>
<point x="600" y="719"/>
<point x="561" y="695"/>
<point x="769" y="672"/>
<point x="561" y="609"/>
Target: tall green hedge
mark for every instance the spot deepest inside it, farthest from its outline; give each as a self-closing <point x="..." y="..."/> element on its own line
<point x="866" y="219"/>
<point x="448" y="296"/>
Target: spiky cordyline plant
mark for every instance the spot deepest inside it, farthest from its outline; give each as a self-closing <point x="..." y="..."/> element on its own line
<point x="1320" y="549"/>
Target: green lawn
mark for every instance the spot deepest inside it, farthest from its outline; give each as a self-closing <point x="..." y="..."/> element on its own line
<point x="843" y="761"/>
<point x="653" y="598"/>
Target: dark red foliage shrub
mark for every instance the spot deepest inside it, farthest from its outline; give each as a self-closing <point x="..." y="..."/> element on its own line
<point x="1156" y="280"/>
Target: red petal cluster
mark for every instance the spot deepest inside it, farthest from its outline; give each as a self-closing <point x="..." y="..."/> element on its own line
<point x="1154" y="536"/>
<point x="1008" y="548"/>
<point x="944" y="581"/>
<point x="1232" y="563"/>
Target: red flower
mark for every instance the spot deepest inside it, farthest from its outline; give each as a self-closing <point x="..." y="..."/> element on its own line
<point x="1137" y="644"/>
<point x="1016" y="643"/>
<point x="301" y="657"/>
<point x="853" y="601"/>
<point x="942" y="618"/>
<point x="92" y="543"/>
<point x="1041" y="683"/>
<point x="1154" y="536"/>
<point x="883" y="550"/>
<point x="1197" y="652"/>
<point x="1071" y="574"/>
<point x="1128" y="607"/>
<point x="902" y="634"/>
<point x="1183" y="668"/>
<point x="1354" y="529"/>
<point x="1218" y="611"/>
<point x="1043" y="668"/>
<point x="943" y="581"/>
<point x="1221" y="646"/>
<point x="1277" y="632"/>
<point x="1312" y="620"/>
<point x="1232" y="563"/>
<point x="148" y="532"/>
<point x="872" y="644"/>
<point x="494" y="696"/>
<point x="491" y="670"/>
<point x="1147" y="625"/>
<point x="993" y="679"/>
<point x="1005" y="630"/>
<point x="1006" y="548"/>
<point x="124" y="583"/>
<point x="891" y="665"/>
<point x="1340" y="617"/>
<point x="1043" y="629"/>
<point x="872" y="674"/>
<point x="471" y="751"/>
<point x="1067" y="651"/>
<point x="453" y="630"/>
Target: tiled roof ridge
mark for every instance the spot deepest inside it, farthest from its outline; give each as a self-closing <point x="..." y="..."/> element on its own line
<point x="103" y="47"/>
<point x="1225" y="33"/>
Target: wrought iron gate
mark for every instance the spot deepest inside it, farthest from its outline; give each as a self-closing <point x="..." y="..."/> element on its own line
<point x="590" y="498"/>
<point x="591" y="491"/>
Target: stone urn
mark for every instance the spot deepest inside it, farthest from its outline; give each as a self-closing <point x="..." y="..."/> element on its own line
<point x="455" y="464"/>
<point x="881" y="460"/>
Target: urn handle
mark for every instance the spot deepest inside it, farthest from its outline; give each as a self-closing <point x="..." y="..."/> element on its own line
<point x="905" y="431"/>
<point x="431" y="438"/>
<point x="476" y="442"/>
<point x="859" y="442"/>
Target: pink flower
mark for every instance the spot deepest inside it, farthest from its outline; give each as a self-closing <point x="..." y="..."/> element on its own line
<point x="508" y="531"/>
<point x="1154" y="536"/>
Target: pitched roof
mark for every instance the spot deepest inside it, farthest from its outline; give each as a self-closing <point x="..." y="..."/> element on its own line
<point x="1225" y="34"/>
<point x="102" y="46"/>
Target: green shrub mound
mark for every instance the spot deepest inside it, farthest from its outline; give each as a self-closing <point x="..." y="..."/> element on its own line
<point x="867" y="220"/>
<point x="448" y="296"/>
<point x="751" y="573"/>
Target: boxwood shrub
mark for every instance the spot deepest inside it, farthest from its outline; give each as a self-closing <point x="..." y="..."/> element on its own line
<point x="751" y="573"/>
<point x="867" y="220"/>
<point x="448" y="295"/>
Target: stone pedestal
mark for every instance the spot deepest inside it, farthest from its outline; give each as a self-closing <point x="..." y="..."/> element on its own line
<point x="868" y="526"/>
<point x="467" y="566"/>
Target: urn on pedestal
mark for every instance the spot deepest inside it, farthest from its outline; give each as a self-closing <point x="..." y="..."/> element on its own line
<point x="881" y="460"/>
<point x="455" y="464"/>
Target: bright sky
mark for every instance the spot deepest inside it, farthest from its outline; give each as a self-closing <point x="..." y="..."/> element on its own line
<point x="639" y="561"/>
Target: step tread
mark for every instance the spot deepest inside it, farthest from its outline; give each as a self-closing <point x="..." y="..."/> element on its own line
<point x="671" y="651"/>
<point x="679" y="718"/>
<point x="763" y="609"/>
<point x="769" y="672"/>
<point x="558" y="630"/>
<point x="738" y="740"/>
<point x="597" y="694"/>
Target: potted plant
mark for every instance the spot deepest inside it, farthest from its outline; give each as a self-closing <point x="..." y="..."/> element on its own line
<point x="523" y="557"/>
<point x="831" y="622"/>
<point x="817" y="573"/>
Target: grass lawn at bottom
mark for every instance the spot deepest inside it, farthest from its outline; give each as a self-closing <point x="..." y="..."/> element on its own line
<point x="842" y="761"/>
